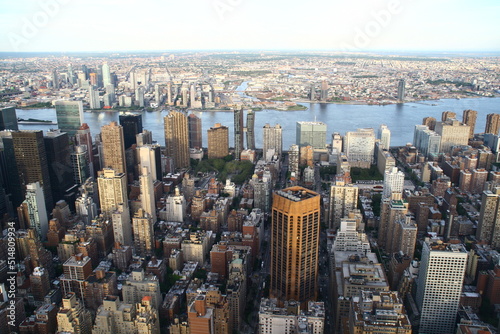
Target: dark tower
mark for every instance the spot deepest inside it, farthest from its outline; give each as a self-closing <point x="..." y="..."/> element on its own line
<point x="238" y="133"/>
<point x="251" y="130"/>
<point x="132" y="125"/>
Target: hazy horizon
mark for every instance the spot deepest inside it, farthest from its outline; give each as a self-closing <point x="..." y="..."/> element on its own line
<point x="409" y="26"/>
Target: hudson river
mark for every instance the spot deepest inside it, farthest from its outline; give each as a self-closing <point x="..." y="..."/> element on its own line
<point x="400" y="119"/>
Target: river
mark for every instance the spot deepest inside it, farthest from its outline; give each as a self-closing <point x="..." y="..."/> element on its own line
<point x="400" y="118"/>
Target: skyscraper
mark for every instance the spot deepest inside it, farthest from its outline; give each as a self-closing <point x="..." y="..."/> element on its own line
<point x="143" y="233"/>
<point x="272" y="138"/>
<point x="80" y="164"/>
<point x="293" y="161"/>
<point x="113" y="147"/>
<point x="440" y="280"/>
<point x="31" y="161"/>
<point x="343" y="199"/>
<point x="492" y="124"/>
<point x="426" y="141"/>
<point x="139" y="96"/>
<point x="311" y="133"/>
<point x="69" y="116"/>
<point x="469" y="118"/>
<point x="132" y="125"/>
<point x="488" y="228"/>
<point x="401" y="90"/>
<point x="147" y="193"/>
<point x="55" y="79"/>
<point x="122" y="225"/>
<point x="106" y="75"/>
<point x="384" y="135"/>
<point x="8" y="119"/>
<point x="238" y="133"/>
<point x="57" y="148"/>
<point x="150" y="157"/>
<point x="195" y="132"/>
<point x="37" y="213"/>
<point x="177" y="138"/>
<point x="94" y="101"/>
<point x="294" y="245"/>
<point x="324" y="90"/>
<point x="218" y="141"/>
<point x="250" y="130"/>
<point x="84" y="137"/>
<point x="112" y="189"/>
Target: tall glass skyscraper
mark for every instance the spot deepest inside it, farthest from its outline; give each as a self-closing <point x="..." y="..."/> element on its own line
<point x="69" y="116"/>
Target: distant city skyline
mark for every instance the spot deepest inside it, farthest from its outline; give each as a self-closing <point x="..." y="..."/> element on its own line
<point x="150" y="25"/>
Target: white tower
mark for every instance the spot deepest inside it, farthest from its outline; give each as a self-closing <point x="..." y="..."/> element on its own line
<point x="440" y="280"/>
<point x="147" y="193"/>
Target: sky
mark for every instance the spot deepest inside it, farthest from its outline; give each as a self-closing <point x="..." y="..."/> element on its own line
<point x="333" y="25"/>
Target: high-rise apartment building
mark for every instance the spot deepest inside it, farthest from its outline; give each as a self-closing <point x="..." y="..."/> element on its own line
<point x="488" y="228"/>
<point x="75" y="271"/>
<point x="290" y="319"/>
<point x="195" y="132"/>
<point x="394" y="181"/>
<point x="311" y="134"/>
<point x="492" y="124"/>
<point x="393" y="209"/>
<point x="31" y="161"/>
<point x="426" y="141"/>
<point x="177" y="138"/>
<point x="94" y="101"/>
<point x="324" y="90"/>
<point x="69" y="116"/>
<point x="250" y="130"/>
<point x="469" y="118"/>
<point x="446" y="115"/>
<point x="112" y="189"/>
<point x="430" y="122"/>
<point x="116" y="317"/>
<point x="132" y="126"/>
<point x="294" y="245"/>
<point x="140" y="285"/>
<point x="113" y="147"/>
<point x="384" y="135"/>
<point x="238" y="133"/>
<point x="142" y="224"/>
<point x="272" y="138"/>
<point x="73" y="317"/>
<point x="453" y="133"/>
<point x="293" y="161"/>
<point x="40" y="283"/>
<point x="218" y="141"/>
<point x="401" y="90"/>
<point x="380" y="312"/>
<point x="343" y="199"/>
<point x="439" y="287"/>
<point x="122" y="225"/>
